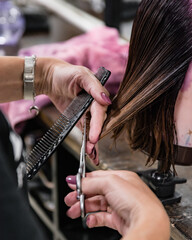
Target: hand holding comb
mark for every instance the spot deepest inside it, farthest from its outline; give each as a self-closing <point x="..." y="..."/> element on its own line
<point x="61" y="128"/>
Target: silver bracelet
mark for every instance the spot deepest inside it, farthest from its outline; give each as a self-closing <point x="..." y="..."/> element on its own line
<point x="28" y="79"/>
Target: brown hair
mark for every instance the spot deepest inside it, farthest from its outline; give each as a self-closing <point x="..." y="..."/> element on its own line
<point x="159" y="55"/>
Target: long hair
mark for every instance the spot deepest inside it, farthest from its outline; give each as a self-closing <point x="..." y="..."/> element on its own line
<point x="159" y="55"/>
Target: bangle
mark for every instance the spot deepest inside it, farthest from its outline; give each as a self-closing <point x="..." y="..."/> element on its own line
<point x="28" y="79"/>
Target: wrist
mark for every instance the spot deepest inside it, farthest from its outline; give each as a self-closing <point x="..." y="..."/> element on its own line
<point x="147" y="228"/>
<point x="39" y="78"/>
<point x="44" y="74"/>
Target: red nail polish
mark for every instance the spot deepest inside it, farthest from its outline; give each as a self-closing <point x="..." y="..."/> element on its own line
<point x="106" y="98"/>
<point x="71" y="179"/>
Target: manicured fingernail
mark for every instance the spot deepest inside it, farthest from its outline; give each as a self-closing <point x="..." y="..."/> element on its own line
<point x="93" y="153"/>
<point x="93" y="156"/>
<point x="106" y="98"/>
<point x="71" y="179"/>
<point x="97" y="162"/>
<point x="87" y="221"/>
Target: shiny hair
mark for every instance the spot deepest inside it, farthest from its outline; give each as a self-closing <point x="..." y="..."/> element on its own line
<point x="159" y="55"/>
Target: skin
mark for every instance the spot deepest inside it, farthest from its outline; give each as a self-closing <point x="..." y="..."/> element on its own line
<point x="133" y="211"/>
<point x="61" y="81"/>
<point x="182" y="115"/>
<point x="124" y="202"/>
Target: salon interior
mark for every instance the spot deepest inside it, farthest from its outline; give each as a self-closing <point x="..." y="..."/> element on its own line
<point x="91" y="33"/>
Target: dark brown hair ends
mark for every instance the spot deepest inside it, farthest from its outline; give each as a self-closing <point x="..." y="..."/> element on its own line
<point x="159" y="55"/>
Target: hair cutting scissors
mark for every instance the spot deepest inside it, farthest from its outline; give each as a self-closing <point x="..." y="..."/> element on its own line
<point x="81" y="173"/>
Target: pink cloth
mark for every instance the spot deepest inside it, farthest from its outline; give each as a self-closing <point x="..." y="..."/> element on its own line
<point x="99" y="47"/>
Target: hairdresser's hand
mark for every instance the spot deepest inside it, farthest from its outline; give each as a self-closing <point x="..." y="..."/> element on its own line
<point x="124" y="202"/>
<point x="62" y="81"/>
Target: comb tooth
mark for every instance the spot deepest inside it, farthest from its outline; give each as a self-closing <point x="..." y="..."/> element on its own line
<point x="49" y="140"/>
<point x="37" y="151"/>
<point x="63" y="122"/>
<point x="29" y="167"/>
<point x="36" y="155"/>
<point x="55" y="131"/>
<point x="33" y="162"/>
<point x="51" y="136"/>
<point x="60" y="129"/>
<point x="33" y="157"/>
<point x="56" y="124"/>
<point x="50" y="133"/>
<point x="64" y="118"/>
<point x="44" y="148"/>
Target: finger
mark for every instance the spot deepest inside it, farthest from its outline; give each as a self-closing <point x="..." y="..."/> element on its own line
<point x="100" y="219"/>
<point x="94" y="153"/>
<point x="71" y="199"/>
<point x="93" y="86"/>
<point x="98" y="116"/>
<point x="124" y="174"/>
<point x="93" y="204"/>
<point x="89" y="148"/>
<point x="74" y="211"/>
<point x="95" y="186"/>
<point x="71" y="181"/>
<point x="105" y="184"/>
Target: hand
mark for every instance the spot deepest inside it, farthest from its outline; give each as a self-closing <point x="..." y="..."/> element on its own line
<point x="124" y="202"/>
<point x="62" y="82"/>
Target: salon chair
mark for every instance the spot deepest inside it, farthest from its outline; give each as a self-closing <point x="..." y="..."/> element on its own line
<point x="163" y="184"/>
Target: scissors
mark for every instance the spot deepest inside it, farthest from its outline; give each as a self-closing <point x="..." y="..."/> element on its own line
<point x="81" y="173"/>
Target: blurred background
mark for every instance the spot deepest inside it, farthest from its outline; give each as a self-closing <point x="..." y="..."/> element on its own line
<point x="27" y="22"/>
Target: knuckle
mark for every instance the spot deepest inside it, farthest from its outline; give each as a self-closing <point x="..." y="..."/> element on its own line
<point x="133" y="175"/>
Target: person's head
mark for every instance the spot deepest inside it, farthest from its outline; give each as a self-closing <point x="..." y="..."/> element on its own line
<point x="159" y="55"/>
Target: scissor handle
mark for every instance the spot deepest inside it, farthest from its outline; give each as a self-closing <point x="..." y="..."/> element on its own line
<point x="81" y="172"/>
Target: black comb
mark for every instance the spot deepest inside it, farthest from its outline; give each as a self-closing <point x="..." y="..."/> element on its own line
<point x="61" y="128"/>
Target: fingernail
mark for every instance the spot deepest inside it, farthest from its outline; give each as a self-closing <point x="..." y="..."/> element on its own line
<point x="71" y="179"/>
<point x="93" y="156"/>
<point x="97" y="163"/>
<point x="93" y="153"/>
<point x="106" y="98"/>
<point x="87" y="221"/>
